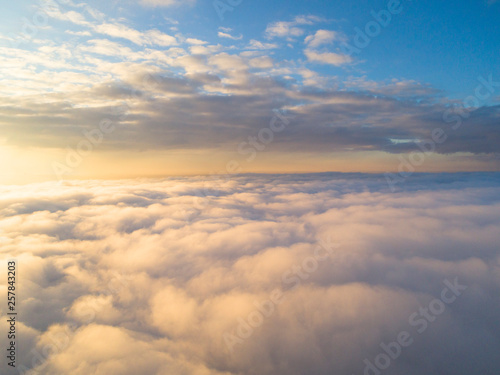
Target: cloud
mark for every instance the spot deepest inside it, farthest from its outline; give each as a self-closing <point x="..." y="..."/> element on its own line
<point x="283" y="30"/>
<point x="255" y="44"/>
<point x="290" y="30"/>
<point x="331" y="58"/>
<point x="229" y="36"/>
<point x="79" y="33"/>
<point x="195" y="41"/>
<point x="218" y="96"/>
<point x="155" y="37"/>
<point x="112" y="28"/>
<point x="167" y="3"/>
<point x="141" y="276"/>
<point x="263" y="62"/>
<point x="307" y="20"/>
<point x="321" y="37"/>
<point x="71" y="16"/>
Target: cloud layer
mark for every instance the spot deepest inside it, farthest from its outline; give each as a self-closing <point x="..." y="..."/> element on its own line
<point x="127" y="277"/>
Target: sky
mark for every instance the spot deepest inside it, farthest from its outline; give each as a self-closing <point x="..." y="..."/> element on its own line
<point x="236" y="187"/>
<point x="266" y="275"/>
<point x="125" y="89"/>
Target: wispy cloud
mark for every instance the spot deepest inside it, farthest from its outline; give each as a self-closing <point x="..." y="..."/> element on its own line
<point x="258" y="45"/>
<point x="167" y="3"/>
<point x="291" y="29"/>
<point x="331" y="58"/>
<point x="141" y="38"/>
<point x="222" y="34"/>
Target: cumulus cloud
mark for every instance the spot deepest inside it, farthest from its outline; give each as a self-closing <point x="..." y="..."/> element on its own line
<point x="321" y="37"/>
<point x="147" y="276"/>
<point x="195" y="41"/>
<point x="290" y="29"/>
<point x="331" y="58"/>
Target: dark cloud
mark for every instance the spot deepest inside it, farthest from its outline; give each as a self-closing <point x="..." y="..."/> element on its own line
<point x="175" y="113"/>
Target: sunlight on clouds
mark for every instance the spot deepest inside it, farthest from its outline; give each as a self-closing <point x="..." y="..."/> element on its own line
<point x="327" y="57"/>
<point x="321" y="37"/>
<point x="144" y="189"/>
<point x="126" y="277"/>
<point x="167" y="3"/>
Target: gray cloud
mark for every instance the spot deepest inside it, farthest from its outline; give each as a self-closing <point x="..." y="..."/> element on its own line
<point x="174" y="112"/>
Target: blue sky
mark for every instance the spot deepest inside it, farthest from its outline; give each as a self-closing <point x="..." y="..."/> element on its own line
<point x="445" y="45"/>
<point x="362" y="106"/>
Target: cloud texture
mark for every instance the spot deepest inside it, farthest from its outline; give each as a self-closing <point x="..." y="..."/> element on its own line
<point x="186" y="93"/>
<point x="128" y="277"/>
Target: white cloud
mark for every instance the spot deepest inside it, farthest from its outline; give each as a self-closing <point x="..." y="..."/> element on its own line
<point x="330" y="58"/>
<point x="255" y="44"/>
<point x="113" y="29"/>
<point x="79" y="33"/>
<point x="71" y="16"/>
<point x="194" y="41"/>
<point x="154" y="37"/>
<point x="222" y="34"/>
<point x="128" y="277"/>
<point x="204" y="50"/>
<point x="289" y="30"/>
<point x="321" y="37"/>
<point x="109" y="48"/>
<point x="167" y="3"/>
<point x="307" y="20"/>
<point x="158" y="38"/>
<point x="283" y="29"/>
